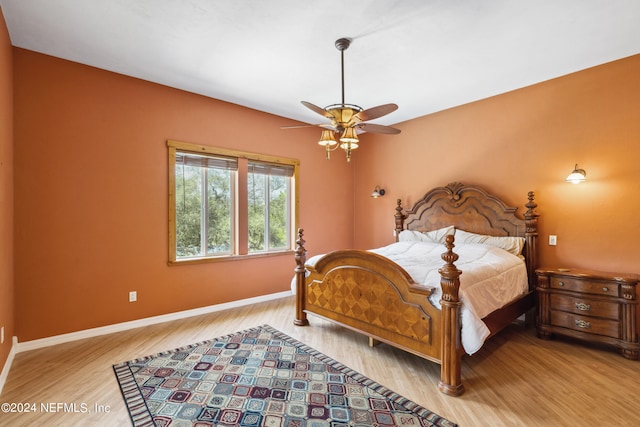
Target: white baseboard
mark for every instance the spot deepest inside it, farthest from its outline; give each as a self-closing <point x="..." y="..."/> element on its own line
<point x="7" y="363"/>
<point x="118" y="327"/>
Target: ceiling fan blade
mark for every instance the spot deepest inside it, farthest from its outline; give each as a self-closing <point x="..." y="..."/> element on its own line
<point x="320" y="125"/>
<point x="374" y="128"/>
<point x="375" y="112"/>
<point x="299" y="126"/>
<point x="316" y="109"/>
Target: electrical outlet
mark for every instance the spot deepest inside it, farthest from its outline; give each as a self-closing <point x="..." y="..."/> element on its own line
<point x="133" y="296"/>
<point x="553" y="240"/>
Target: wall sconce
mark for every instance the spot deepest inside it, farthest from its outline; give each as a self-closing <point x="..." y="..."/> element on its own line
<point x="377" y="192"/>
<point x="577" y="176"/>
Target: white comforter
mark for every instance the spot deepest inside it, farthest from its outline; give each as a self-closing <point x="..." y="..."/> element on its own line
<point x="491" y="277"/>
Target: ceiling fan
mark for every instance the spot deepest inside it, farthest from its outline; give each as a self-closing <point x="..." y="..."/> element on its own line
<point x="346" y="119"/>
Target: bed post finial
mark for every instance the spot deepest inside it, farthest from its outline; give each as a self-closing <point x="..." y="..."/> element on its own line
<point x="300" y="270"/>
<point x="300" y="250"/>
<point x="400" y="216"/>
<point x="530" y="215"/>
<point x="451" y="360"/>
<point x="450" y="274"/>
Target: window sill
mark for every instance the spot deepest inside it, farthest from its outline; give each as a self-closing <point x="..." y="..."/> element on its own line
<point x="225" y="258"/>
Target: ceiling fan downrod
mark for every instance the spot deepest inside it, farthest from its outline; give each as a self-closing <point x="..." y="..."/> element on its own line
<point x="342" y="44"/>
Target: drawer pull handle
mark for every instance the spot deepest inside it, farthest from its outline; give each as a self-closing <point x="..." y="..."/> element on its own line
<point x="582" y="324"/>
<point x="605" y="289"/>
<point x="561" y="284"/>
<point x="582" y="306"/>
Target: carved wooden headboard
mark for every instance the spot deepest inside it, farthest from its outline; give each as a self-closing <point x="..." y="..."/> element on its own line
<point x="472" y="209"/>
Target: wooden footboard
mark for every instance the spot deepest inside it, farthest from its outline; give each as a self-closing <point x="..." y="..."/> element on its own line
<point x="373" y="295"/>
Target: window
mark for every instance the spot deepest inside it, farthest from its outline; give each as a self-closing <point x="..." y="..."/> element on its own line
<point x="225" y="203"/>
<point x="268" y="190"/>
<point x="203" y="204"/>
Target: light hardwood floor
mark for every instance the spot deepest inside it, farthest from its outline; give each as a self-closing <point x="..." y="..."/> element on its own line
<point x="515" y="380"/>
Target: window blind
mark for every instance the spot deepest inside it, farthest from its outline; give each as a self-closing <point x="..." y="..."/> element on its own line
<point x="275" y="169"/>
<point x="204" y="161"/>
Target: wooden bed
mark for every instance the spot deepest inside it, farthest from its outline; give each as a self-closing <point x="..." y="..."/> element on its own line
<point x="373" y="295"/>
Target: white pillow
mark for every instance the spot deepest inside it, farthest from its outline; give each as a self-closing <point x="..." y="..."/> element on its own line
<point x="434" y="236"/>
<point x="510" y="244"/>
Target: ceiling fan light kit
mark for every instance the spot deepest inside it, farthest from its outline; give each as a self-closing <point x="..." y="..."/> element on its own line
<point x="346" y="119"/>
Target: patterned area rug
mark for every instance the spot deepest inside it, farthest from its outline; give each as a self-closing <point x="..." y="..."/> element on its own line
<point x="259" y="377"/>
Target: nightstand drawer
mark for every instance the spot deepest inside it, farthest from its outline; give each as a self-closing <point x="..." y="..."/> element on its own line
<point x="585" y="286"/>
<point x="610" y="328"/>
<point x="586" y="307"/>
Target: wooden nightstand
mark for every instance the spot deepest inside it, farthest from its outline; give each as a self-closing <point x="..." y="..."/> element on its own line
<point x="590" y="305"/>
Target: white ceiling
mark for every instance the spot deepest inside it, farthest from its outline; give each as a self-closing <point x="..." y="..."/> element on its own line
<point x="424" y="55"/>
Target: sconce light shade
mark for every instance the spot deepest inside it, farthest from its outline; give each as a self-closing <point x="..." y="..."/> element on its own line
<point x="377" y="192"/>
<point x="577" y="176"/>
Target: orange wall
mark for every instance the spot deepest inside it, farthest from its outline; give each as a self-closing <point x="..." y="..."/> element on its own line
<point x="91" y="183"/>
<point x="6" y="191"/>
<point x="91" y="197"/>
<point x="528" y="139"/>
